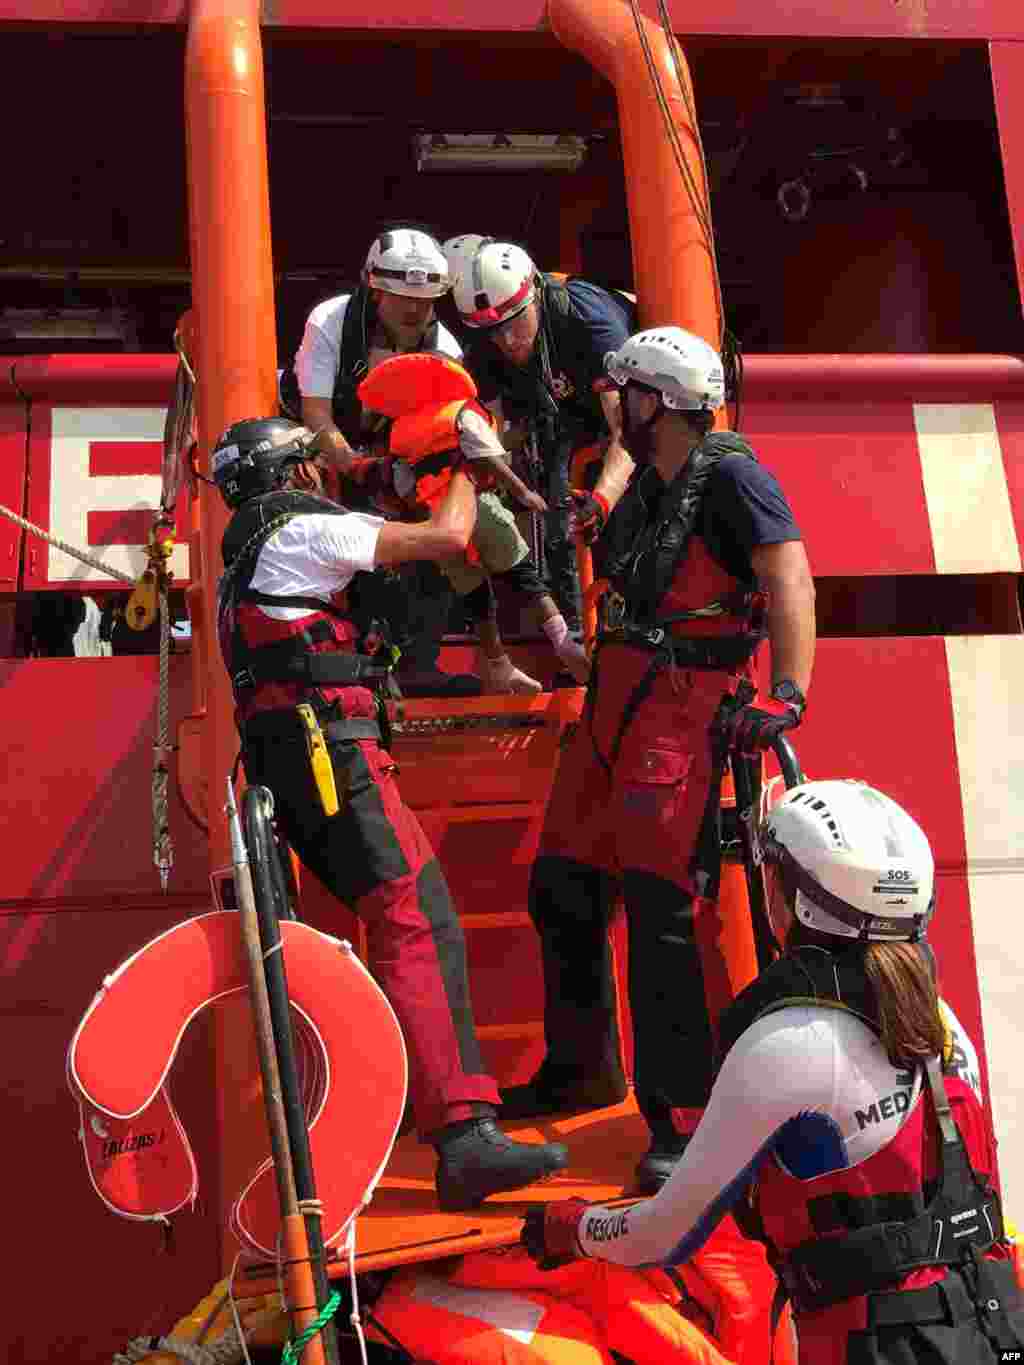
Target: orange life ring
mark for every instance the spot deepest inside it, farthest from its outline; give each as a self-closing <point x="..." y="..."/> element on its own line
<point x="137" y="1153"/>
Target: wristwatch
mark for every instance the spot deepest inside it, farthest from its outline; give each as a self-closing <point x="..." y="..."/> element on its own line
<point x="787" y="691"/>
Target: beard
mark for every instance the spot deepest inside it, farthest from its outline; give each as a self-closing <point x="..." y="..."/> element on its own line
<point x="638" y="438"/>
<point x="405" y="336"/>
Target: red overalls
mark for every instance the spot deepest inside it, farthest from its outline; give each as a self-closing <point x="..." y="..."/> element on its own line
<point x="626" y="810"/>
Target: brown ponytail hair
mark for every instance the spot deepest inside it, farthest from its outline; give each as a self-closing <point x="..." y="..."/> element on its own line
<point x="908" y="1003"/>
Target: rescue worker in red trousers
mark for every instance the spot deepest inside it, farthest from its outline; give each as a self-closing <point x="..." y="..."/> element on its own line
<point x="846" y="1129"/>
<point x="289" y="643"/>
<point x="702" y="554"/>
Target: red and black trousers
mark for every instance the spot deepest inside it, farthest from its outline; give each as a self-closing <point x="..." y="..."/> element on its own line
<point x="625" y="815"/>
<point x="374" y="856"/>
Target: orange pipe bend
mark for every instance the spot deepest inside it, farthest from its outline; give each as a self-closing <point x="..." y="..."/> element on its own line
<point x="233" y="299"/>
<point x="672" y="261"/>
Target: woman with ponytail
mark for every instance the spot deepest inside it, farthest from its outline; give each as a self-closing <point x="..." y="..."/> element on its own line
<point x="846" y="1129"/>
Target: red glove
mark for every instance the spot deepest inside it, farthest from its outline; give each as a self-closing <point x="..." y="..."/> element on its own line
<point x="755" y="726"/>
<point x="549" y="1232"/>
<point x="589" y="515"/>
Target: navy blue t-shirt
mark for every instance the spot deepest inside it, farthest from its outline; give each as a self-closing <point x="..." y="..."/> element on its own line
<point x="599" y="321"/>
<point x="743" y="507"/>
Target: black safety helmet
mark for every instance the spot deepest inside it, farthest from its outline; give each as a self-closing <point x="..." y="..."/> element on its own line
<point x="252" y="456"/>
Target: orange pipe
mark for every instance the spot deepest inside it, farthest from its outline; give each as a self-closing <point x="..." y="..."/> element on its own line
<point x="674" y="273"/>
<point x="233" y="297"/>
<point x="236" y="356"/>
<point x="672" y="260"/>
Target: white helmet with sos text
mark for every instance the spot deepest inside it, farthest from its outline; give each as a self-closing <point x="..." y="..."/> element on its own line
<point x="409" y="262"/>
<point x="861" y="866"/>
<point x="460" y="252"/>
<point x="682" y="367"/>
<point x="499" y="284"/>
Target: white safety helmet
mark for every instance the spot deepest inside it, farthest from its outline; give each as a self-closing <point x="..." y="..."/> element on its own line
<point x="409" y="262"/>
<point x="861" y="866"/>
<point x="460" y="253"/>
<point x="685" y="370"/>
<point x="500" y="283"/>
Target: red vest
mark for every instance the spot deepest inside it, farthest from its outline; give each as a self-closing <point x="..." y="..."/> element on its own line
<point x="255" y="645"/>
<point x="329" y="633"/>
<point x="698" y="581"/>
<point x="888" y="1187"/>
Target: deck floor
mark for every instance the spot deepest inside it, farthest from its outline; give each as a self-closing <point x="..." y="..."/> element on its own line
<point x="403" y="1223"/>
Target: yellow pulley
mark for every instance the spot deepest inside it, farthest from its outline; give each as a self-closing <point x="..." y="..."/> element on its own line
<point x="140" y="612"/>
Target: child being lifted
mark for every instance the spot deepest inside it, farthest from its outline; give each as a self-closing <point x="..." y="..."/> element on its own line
<point x="436" y="423"/>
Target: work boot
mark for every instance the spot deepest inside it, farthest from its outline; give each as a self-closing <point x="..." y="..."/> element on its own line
<point x="660" y="1161"/>
<point x="501" y="676"/>
<point x="476" y="1159"/>
<point x="555" y="1090"/>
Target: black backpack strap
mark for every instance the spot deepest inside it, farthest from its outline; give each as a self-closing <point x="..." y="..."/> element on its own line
<point x="353" y="364"/>
<point x="353" y="353"/>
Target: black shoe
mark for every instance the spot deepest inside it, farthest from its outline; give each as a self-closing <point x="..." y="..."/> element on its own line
<point x="431" y="682"/>
<point x="478" y="1159"/>
<point x="561" y="1092"/>
<point x="659" y="1163"/>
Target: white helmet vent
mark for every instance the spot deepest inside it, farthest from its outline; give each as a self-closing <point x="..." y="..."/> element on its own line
<point x="682" y="367"/>
<point x="863" y="866"/>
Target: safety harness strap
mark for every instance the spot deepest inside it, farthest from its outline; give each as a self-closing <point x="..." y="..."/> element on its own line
<point x="290" y="661"/>
<point x="650" y="551"/>
<point x="268" y="725"/>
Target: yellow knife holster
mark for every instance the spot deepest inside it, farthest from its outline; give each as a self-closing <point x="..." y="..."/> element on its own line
<point x="319" y="760"/>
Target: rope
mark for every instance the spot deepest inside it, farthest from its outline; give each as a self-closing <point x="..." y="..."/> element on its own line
<point x="236" y="1320"/>
<point x="355" y="1317"/>
<point x="63" y="545"/>
<point x="293" y="1349"/>
<point x="163" y="848"/>
<point x="228" y="1349"/>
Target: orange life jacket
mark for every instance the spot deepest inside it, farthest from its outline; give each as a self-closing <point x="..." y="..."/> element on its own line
<point x="496" y="1306"/>
<point x="424" y="393"/>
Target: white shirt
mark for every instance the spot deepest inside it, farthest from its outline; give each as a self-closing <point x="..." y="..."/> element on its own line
<point x="318" y="356"/>
<point x="477" y="438"/>
<point x="807" y="1086"/>
<point x="315" y="555"/>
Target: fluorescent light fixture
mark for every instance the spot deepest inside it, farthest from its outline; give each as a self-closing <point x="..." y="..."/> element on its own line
<point x="498" y="152"/>
<point x="64" y="324"/>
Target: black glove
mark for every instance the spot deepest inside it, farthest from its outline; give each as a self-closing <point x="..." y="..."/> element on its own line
<point x="549" y="1232"/>
<point x="755" y="726"/>
<point x="589" y="514"/>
